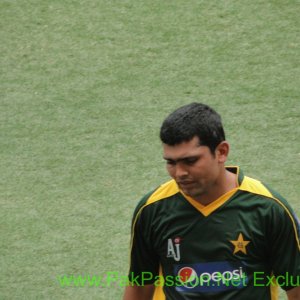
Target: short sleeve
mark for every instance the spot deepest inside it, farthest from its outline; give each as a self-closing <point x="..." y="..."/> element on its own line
<point x="144" y="262"/>
<point x="284" y="245"/>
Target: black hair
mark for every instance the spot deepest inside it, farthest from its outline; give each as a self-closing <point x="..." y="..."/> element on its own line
<point x="194" y="119"/>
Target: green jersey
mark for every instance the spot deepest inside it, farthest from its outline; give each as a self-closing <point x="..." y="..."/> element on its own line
<point x="241" y="246"/>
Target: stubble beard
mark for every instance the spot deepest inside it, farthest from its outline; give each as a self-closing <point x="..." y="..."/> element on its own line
<point x="194" y="192"/>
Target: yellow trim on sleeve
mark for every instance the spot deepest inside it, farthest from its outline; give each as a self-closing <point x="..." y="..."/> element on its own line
<point x="159" y="292"/>
<point x="254" y="186"/>
<point x="274" y="290"/>
<point x="167" y="189"/>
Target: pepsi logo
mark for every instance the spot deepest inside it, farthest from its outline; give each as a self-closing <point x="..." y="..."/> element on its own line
<point x="187" y="275"/>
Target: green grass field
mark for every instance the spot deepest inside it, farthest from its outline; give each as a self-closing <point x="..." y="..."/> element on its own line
<point x="84" y="88"/>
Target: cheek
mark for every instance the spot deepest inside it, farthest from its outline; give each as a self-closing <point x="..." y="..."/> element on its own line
<point x="196" y="173"/>
<point x="202" y="170"/>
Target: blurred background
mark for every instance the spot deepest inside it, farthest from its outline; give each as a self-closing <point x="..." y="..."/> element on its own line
<point x="85" y="86"/>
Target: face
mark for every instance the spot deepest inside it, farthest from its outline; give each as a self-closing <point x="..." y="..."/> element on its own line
<point x="195" y="169"/>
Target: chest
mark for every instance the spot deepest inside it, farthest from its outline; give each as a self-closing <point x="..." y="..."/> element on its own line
<point x="182" y="235"/>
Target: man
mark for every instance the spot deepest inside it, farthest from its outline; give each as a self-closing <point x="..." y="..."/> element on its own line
<point x="210" y="232"/>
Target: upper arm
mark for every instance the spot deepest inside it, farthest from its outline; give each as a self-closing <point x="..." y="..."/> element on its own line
<point x="294" y="294"/>
<point x="138" y="292"/>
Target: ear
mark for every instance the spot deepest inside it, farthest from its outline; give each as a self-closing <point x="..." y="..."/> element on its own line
<point x="222" y="151"/>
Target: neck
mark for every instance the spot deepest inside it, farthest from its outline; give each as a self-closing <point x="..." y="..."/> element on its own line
<point x="226" y="182"/>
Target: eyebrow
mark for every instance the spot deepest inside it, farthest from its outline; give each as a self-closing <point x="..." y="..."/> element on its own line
<point x="182" y="159"/>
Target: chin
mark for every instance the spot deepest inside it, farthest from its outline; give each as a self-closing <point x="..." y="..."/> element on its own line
<point x="193" y="194"/>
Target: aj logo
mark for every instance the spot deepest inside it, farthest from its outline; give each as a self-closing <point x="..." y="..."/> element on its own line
<point x="174" y="249"/>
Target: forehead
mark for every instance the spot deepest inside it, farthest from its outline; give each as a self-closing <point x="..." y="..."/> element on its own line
<point x="184" y="149"/>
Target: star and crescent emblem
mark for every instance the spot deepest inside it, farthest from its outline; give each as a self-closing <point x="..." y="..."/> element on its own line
<point x="240" y="244"/>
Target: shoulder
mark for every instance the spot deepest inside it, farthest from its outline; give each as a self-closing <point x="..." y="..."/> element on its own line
<point x="163" y="192"/>
<point x="275" y="204"/>
<point x="264" y="192"/>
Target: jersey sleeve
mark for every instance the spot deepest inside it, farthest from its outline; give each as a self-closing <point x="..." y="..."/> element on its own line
<point x="284" y="245"/>
<point x="144" y="262"/>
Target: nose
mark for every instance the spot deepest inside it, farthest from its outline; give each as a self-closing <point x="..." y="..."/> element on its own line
<point x="180" y="171"/>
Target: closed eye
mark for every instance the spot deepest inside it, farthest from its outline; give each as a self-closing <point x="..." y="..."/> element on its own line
<point x="171" y="162"/>
<point x="190" y="161"/>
